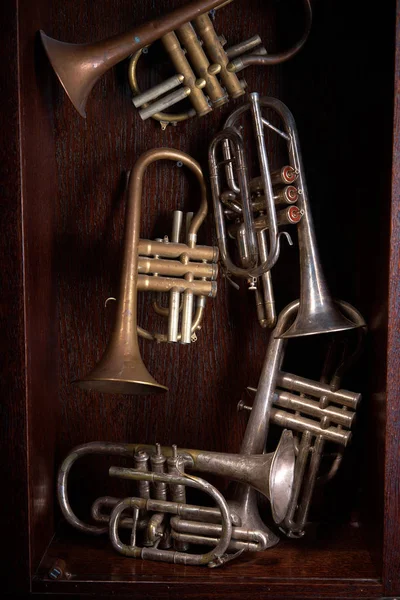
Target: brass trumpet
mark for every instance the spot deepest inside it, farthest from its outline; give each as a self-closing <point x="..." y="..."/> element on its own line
<point x="183" y="270"/>
<point x="79" y="66"/>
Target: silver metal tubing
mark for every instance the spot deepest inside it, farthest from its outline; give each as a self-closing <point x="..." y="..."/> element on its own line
<point x="266" y="278"/>
<point x="257" y="426"/>
<point x="301" y="464"/>
<point x="228" y="147"/>
<point x="101" y="504"/>
<point x="296" y="528"/>
<point x="217" y="554"/>
<point x="310" y="407"/>
<point x="295" y="383"/>
<point x="290" y="215"/>
<point x="236" y="141"/>
<point x="196" y="323"/>
<point x="173" y="317"/>
<point x="62" y="480"/>
<point x="273" y="247"/>
<point x="243" y="47"/>
<point x="204" y="514"/>
<point x="187" y="316"/>
<point x="257" y="52"/>
<point x="203" y="540"/>
<point x="157" y="90"/>
<point x="157" y="461"/>
<point x="177" y="222"/>
<point x="253" y="538"/>
<point x="299" y="423"/>
<point x="140" y="461"/>
<point x="175" y="466"/>
<point x="164" y="102"/>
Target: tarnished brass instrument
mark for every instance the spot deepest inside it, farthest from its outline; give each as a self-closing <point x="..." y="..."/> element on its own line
<point x="79" y="66"/>
<point x="255" y="206"/>
<point x="183" y="270"/>
<point x="315" y="312"/>
<point x="206" y="71"/>
<point x="318" y="412"/>
<point x="271" y="474"/>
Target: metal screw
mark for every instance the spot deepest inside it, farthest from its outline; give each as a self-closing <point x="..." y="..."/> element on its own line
<point x="55" y="573"/>
<point x="58" y="570"/>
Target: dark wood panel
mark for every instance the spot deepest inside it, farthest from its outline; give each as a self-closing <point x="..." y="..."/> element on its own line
<point x="392" y="466"/>
<point x="13" y="432"/>
<point x="341" y="91"/>
<point x="329" y="564"/>
<point x="39" y="196"/>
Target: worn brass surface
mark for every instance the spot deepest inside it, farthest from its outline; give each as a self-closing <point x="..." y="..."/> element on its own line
<point x="216" y="52"/>
<point x="182" y="65"/>
<point x="121" y="370"/>
<point x="201" y="64"/>
<point x="80" y="66"/>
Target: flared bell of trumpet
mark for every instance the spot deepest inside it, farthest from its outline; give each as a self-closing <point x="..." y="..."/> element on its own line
<point x="322" y="316"/>
<point x="120" y="373"/>
<point x="77" y="67"/>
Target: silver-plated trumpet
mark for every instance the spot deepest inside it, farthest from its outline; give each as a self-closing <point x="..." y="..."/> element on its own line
<point x="271" y="474"/>
<point x="320" y="411"/>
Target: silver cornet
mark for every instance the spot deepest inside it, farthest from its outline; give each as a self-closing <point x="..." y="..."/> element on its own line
<point x="264" y="204"/>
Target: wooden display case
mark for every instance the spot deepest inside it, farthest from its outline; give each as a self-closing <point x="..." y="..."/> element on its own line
<point x="62" y="225"/>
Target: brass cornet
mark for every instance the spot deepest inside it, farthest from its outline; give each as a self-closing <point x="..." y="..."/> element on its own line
<point x="184" y="270"/>
<point x="213" y="69"/>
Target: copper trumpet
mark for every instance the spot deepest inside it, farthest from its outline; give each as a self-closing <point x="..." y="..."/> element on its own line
<point x="79" y="66"/>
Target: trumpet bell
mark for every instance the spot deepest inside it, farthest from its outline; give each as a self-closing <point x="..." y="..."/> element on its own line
<point x="323" y="318"/>
<point x="119" y="374"/>
<point x="73" y="65"/>
<point x="281" y="476"/>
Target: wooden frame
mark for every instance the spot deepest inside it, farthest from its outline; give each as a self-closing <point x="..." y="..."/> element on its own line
<point x="62" y="222"/>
